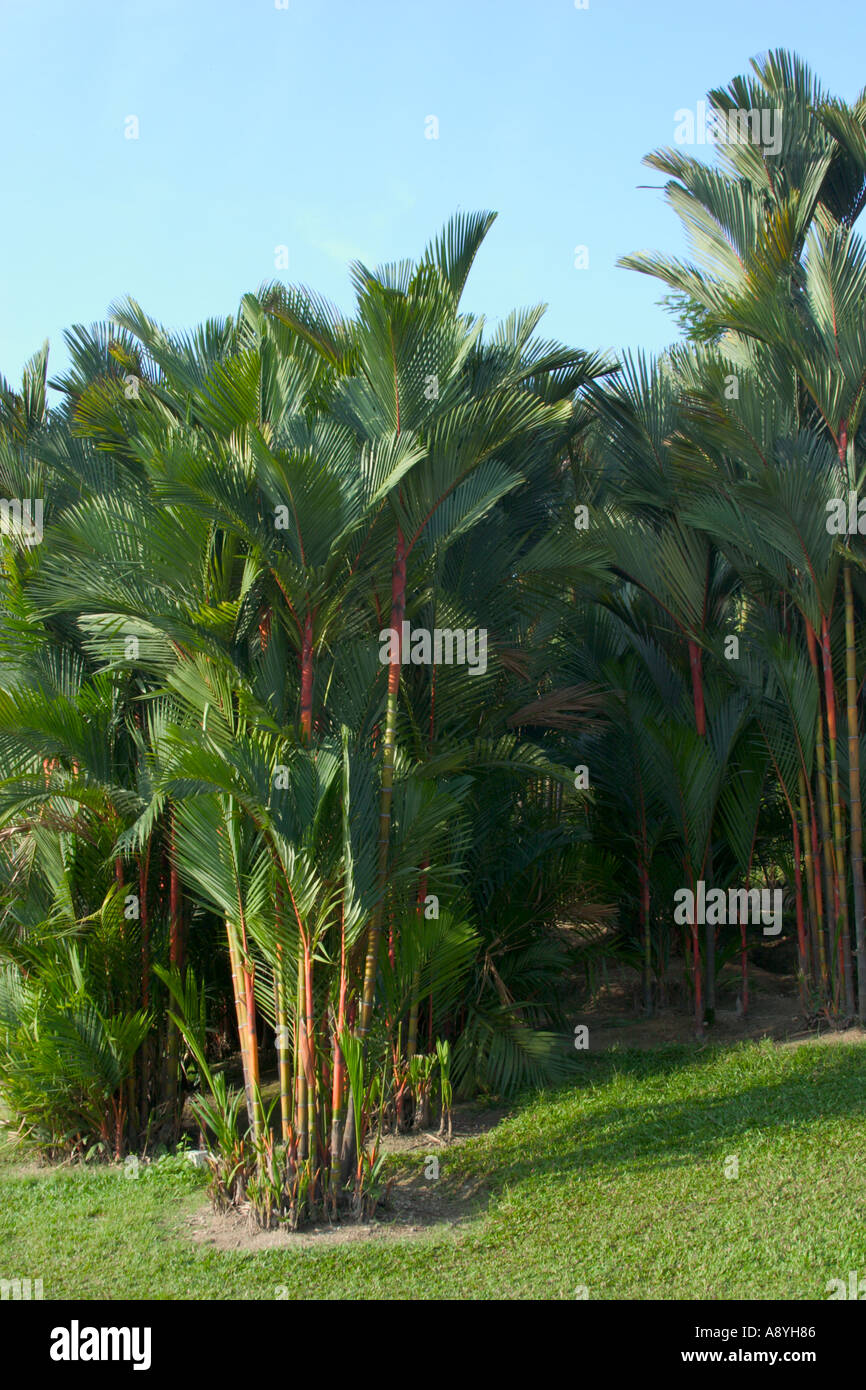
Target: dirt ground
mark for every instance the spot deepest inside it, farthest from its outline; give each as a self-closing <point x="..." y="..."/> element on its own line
<point x="774" y="1011"/>
<point x="416" y="1203"/>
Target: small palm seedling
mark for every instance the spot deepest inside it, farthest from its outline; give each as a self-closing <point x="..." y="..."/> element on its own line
<point x="421" y="1080"/>
<point x="443" y="1056"/>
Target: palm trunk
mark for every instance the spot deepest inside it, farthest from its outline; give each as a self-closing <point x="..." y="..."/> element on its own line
<point x="798" y="888"/>
<point x="798" y="883"/>
<point x="339" y="1070"/>
<point x="412" y="1039"/>
<point x="284" y="1067"/>
<point x="302" y="1097"/>
<point x="820" y="898"/>
<point x="696" y="955"/>
<point x="744" y="959"/>
<point x="146" y="1053"/>
<point x="696" y="958"/>
<point x="710" y="951"/>
<point x="252" y="1041"/>
<point x="282" y="1017"/>
<point x="300" y="1060"/>
<point x="854" y="795"/>
<point x="307" y="679"/>
<point x="643" y="877"/>
<point x="827" y="857"/>
<point x="176" y="941"/>
<point x="175" y="912"/>
<point x="812" y="888"/>
<point x="398" y="609"/>
<point x="310" y="1058"/>
<point x="348" y="1155"/>
<point x="838" y="831"/>
<point x="696" y="668"/>
<point x="412" y="1036"/>
<point x="744" y="954"/>
<point x="646" y="935"/>
<point x="249" y="1056"/>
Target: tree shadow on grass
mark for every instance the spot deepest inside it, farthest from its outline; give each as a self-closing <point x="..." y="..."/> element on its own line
<point x="671" y="1133"/>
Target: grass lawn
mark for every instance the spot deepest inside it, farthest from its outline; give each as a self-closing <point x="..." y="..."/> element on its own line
<point x="616" y="1183"/>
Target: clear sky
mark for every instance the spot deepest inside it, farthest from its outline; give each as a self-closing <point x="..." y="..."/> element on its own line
<point x="304" y="127"/>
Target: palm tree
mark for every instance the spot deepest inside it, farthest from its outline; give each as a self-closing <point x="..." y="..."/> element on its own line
<point x="783" y="291"/>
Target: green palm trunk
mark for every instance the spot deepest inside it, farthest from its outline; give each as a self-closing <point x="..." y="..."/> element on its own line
<point x="172" y="1060"/>
<point x="309" y="1033"/>
<point x="301" y="1112"/>
<point x="813" y="888"/>
<point x="838" y="831"/>
<point x="285" y="1069"/>
<point x="854" y="795"/>
<point x="412" y="1035"/>
<point x="246" y="1026"/>
<point x="826" y="839"/>
<point x="824" y="835"/>
<point x="282" y="1016"/>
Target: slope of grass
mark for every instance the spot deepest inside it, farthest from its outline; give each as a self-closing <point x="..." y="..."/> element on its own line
<point x="616" y="1185"/>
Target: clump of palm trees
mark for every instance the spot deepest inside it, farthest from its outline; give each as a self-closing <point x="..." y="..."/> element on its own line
<point x="226" y="824"/>
<point x="204" y="754"/>
<point x="718" y="468"/>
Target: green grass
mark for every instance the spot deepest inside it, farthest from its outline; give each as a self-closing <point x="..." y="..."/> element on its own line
<point x="616" y="1183"/>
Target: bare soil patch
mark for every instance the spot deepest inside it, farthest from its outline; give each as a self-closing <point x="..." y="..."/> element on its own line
<point x="417" y="1205"/>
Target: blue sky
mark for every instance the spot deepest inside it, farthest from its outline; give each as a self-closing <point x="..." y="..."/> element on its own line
<point x="304" y="127"/>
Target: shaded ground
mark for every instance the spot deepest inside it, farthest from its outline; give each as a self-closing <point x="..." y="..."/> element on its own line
<point x="612" y="1013"/>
